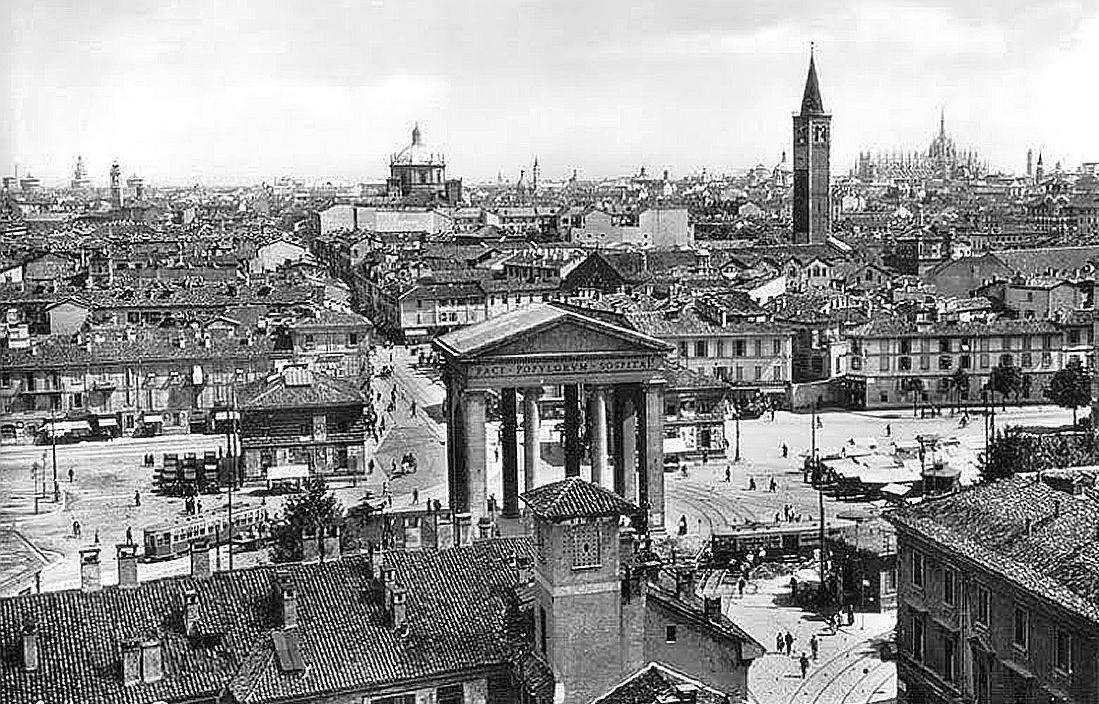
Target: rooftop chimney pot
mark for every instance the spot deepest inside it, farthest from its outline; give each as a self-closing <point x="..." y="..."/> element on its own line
<point x="30" y="646"/>
<point x="90" y="580"/>
<point x="152" y="665"/>
<point x="200" y="560"/>
<point x="287" y="600"/>
<point x="131" y="661"/>
<point x="127" y="565"/>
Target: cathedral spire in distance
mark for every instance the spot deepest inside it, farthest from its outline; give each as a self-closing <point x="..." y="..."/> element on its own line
<point x="811" y="102"/>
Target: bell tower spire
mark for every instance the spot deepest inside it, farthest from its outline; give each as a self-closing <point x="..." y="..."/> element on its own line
<point x="811" y="102"/>
<point x="812" y="214"/>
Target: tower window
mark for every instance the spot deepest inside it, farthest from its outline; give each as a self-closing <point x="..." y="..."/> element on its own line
<point x="669" y="634"/>
<point x="583" y="546"/>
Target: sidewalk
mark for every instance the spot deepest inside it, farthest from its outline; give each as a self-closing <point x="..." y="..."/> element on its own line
<point x="848" y="660"/>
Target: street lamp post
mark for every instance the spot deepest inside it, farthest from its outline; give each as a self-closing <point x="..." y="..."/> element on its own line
<point x="736" y="417"/>
<point x="820" y="488"/>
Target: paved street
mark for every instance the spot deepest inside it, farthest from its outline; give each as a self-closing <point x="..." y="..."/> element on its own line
<point x="849" y="669"/>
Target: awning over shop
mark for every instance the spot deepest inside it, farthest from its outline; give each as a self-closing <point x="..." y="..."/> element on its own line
<point x="227" y="415"/>
<point x="62" y="427"/>
<point x="287" y="471"/>
<point x="675" y="446"/>
<point x="152" y="418"/>
<point x="896" y="489"/>
<point x="107" y="422"/>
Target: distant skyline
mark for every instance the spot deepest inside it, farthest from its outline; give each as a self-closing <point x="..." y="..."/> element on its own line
<point x="246" y="91"/>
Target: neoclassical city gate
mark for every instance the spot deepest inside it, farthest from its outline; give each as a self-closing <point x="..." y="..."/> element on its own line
<point x="617" y="373"/>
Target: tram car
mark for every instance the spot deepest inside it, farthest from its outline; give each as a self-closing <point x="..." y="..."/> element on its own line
<point x="164" y="541"/>
<point x="779" y="542"/>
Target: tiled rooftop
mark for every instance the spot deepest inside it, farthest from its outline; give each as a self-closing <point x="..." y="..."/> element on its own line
<point x="461" y="615"/>
<point x="574" y="497"/>
<point x="298" y="388"/>
<point x="1058" y="559"/>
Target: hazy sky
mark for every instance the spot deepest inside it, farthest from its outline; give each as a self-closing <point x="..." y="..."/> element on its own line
<point x="244" y="90"/>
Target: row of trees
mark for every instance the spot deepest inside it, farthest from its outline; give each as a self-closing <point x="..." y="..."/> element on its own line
<point x="1015" y="451"/>
<point x="1069" y="388"/>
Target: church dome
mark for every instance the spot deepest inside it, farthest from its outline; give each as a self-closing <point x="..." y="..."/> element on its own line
<point x="417" y="153"/>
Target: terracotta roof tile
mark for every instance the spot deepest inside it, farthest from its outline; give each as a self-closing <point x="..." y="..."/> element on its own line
<point x="575" y="498"/>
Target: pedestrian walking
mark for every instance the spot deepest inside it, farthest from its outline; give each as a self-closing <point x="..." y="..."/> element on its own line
<point x="683" y="525"/>
<point x="96" y="538"/>
<point x="705" y="457"/>
<point x="740" y="586"/>
<point x="789" y="640"/>
<point x="785" y="451"/>
<point x="728" y="474"/>
<point x="751" y="483"/>
<point x="779" y="643"/>
<point x="850" y="615"/>
<point x="370" y="466"/>
<point x="70" y="475"/>
<point x="415" y="495"/>
<point x="888" y="430"/>
<point x="804" y="662"/>
<point x="76" y="529"/>
<point x="773" y="486"/>
<point x="814" y="646"/>
<point x="137" y="497"/>
<point x="793" y="587"/>
<point x="129" y="535"/>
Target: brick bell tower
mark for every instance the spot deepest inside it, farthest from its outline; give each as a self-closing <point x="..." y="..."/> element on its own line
<point x="578" y="619"/>
<point x="812" y="151"/>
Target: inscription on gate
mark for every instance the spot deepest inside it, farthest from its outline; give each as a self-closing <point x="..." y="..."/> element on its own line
<point x="564" y="366"/>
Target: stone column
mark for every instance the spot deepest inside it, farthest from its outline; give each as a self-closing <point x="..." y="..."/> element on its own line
<point x="457" y="478"/>
<point x="598" y="434"/>
<point x="652" y="453"/>
<point x="509" y="453"/>
<point x="473" y="412"/>
<point x="572" y="430"/>
<point x="625" y="451"/>
<point x="531" y="443"/>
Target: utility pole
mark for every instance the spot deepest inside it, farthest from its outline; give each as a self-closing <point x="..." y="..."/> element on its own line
<point x="737" y="419"/>
<point x="230" y="458"/>
<point x="53" y="441"/>
<point x="820" y="491"/>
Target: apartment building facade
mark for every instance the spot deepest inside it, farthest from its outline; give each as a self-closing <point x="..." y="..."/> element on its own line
<point x="886" y="356"/>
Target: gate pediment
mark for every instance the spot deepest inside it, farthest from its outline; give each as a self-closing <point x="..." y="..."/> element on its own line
<point x="544" y="330"/>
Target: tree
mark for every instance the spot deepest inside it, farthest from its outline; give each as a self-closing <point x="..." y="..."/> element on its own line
<point x="1014" y="451"/>
<point x="1009" y="453"/>
<point x="1005" y="379"/>
<point x="913" y="385"/>
<point x="959" y="381"/>
<point x="315" y="506"/>
<point x="1071" y="387"/>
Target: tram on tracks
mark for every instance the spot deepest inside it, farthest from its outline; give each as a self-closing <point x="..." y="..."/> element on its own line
<point x="778" y="542"/>
<point x="174" y="538"/>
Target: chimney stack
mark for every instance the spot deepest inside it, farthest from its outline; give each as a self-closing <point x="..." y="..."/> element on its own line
<point x="90" y="580"/>
<point x="413" y="533"/>
<point x="464" y="525"/>
<point x="200" y="560"/>
<point x="192" y="611"/>
<point x="331" y="543"/>
<point x="485" y="528"/>
<point x="131" y="661"/>
<point x="310" y="545"/>
<point x="30" y="646"/>
<point x="152" y="665"/>
<point x="287" y="600"/>
<point x="127" y="565"/>
<point x="397" y="597"/>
